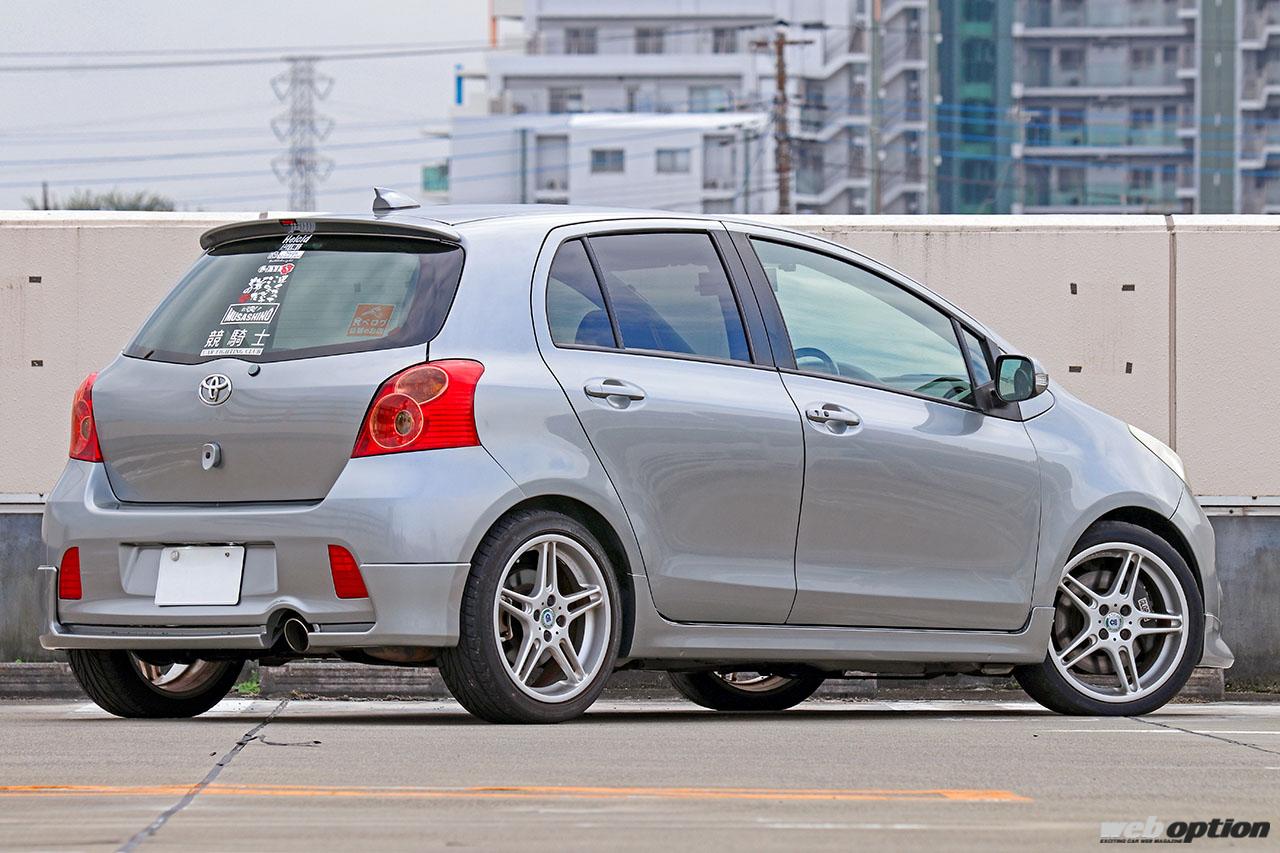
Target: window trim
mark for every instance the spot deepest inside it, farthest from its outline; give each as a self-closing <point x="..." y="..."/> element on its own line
<point x="780" y="338"/>
<point x="757" y="358"/>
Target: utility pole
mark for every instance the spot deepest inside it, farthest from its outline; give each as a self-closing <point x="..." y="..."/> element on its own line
<point x="782" y="133"/>
<point x="302" y="167"/>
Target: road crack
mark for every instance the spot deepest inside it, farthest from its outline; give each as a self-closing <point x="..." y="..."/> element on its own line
<point x="1209" y="735"/>
<point x="187" y="798"/>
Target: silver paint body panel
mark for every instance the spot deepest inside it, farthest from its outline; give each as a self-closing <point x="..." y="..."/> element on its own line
<point x="705" y="503"/>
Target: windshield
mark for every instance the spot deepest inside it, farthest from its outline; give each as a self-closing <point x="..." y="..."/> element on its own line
<point x="304" y="296"/>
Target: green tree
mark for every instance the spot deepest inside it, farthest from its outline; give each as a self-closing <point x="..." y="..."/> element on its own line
<point x="111" y="200"/>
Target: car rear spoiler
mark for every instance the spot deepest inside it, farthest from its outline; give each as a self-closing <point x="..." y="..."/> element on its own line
<point x="426" y="228"/>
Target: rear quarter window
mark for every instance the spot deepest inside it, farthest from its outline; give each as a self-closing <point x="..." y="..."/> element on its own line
<point x="304" y="296"/>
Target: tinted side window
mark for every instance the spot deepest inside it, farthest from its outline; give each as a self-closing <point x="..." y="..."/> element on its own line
<point x="669" y="292"/>
<point x="847" y="322"/>
<point x="575" y="306"/>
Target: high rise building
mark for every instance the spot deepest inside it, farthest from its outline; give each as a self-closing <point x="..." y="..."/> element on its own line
<point x="893" y="106"/>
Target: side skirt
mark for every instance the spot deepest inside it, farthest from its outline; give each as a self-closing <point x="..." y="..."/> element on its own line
<point x="657" y="639"/>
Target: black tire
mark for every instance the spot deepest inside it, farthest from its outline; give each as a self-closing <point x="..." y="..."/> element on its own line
<point x="115" y="684"/>
<point x="474" y="670"/>
<point x="711" y="691"/>
<point x="1044" y="683"/>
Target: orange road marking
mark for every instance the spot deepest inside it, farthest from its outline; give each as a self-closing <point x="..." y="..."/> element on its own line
<point x="522" y="792"/>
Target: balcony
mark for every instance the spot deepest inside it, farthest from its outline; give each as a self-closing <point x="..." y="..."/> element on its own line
<point x="1093" y="196"/>
<point x="1087" y="138"/>
<point x="904" y="49"/>
<point x="1043" y="19"/>
<point x="1100" y="78"/>
<point x="1258" y="143"/>
<point x="1258" y="86"/>
<point x="842" y="42"/>
<point x="1258" y="25"/>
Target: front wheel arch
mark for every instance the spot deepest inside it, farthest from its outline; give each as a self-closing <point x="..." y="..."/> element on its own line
<point x="1158" y="525"/>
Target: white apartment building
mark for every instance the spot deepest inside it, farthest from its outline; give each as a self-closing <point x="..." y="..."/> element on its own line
<point x="694" y="162"/>
<point x="696" y="69"/>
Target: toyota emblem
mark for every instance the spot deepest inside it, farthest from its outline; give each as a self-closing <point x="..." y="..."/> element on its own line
<point x="215" y="389"/>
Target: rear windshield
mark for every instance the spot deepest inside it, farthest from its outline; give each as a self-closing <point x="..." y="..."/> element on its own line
<point x="304" y="296"/>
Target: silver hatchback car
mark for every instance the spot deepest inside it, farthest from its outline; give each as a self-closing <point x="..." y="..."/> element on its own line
<point x="534" y="445"/>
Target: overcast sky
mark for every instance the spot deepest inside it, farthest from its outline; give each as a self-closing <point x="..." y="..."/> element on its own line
<point x="220" y="114"/>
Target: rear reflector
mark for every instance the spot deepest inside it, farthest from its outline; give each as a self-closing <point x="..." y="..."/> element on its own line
<point x="426" y="407"/>
<point x="69" y="575"/>
<point x="347" y="582"/>
<point x="84" y="432"/>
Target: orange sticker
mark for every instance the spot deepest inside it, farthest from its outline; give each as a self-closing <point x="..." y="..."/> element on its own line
<point x="370" y="321"/>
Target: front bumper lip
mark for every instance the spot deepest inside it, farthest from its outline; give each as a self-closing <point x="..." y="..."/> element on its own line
<point x="1216" y="652"/>
<point x="415" y="605"/>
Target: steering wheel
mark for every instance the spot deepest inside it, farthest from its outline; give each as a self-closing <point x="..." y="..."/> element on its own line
<point x="828" y="363"/>
<point x="958" y="389"/>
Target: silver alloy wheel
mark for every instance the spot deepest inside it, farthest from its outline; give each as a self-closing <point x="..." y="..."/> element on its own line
<point x="1120" y="628"/>
<point x="178" y="678"/>
<point x="752" y="682"/>
<point x="552" y="618"/>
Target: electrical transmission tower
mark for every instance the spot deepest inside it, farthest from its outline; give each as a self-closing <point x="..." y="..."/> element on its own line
<point x="302" y="167"/>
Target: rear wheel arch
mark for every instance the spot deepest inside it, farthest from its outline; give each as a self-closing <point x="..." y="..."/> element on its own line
<point x="615" y="550"/>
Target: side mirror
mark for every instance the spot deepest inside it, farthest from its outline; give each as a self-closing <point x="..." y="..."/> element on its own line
<point x="1017" y="379"/>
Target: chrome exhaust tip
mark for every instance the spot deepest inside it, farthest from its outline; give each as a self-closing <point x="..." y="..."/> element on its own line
<point x="296" y="636"/>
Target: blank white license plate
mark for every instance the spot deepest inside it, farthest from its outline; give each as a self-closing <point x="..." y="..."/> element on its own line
<point x="200" y="574"/>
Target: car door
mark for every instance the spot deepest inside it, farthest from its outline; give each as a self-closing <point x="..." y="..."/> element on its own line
<point x="669" y="372"/>
<point x="920" y="510"/>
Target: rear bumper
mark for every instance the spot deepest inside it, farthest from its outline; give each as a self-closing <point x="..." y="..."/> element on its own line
<point x="415" y="605"/>
<point x="411" y="520"/>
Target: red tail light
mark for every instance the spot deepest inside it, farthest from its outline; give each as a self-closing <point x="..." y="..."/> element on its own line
<point x="427" y="407"/>
<point x="69" y="575"/>
<point x="347" y="582"/>
<point x="84" y="433"/>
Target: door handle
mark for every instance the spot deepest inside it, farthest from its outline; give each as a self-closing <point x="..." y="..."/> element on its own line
<point x="606" y="388"/>
<point x="830" y="414"/>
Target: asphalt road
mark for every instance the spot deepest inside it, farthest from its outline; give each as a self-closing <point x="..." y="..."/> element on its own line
<point x="308" y="775"/>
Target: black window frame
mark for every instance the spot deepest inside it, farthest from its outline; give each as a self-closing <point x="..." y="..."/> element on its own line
<point x="754" y="327"/>
<point x="780" y="338"/>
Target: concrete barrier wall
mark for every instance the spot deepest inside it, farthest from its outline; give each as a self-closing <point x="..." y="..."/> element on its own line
<point x="1091" y="296"/>
<point x="1167" y="322"/>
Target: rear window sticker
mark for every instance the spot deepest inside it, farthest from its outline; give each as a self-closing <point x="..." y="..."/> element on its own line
<point x="236" y="351"/>
<point x="285" y="255"/>
<point x="370" y="321"/>
<point x="280" y="269"/>
<point x="249" y="312"/>
<point x="264" y="288"/>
